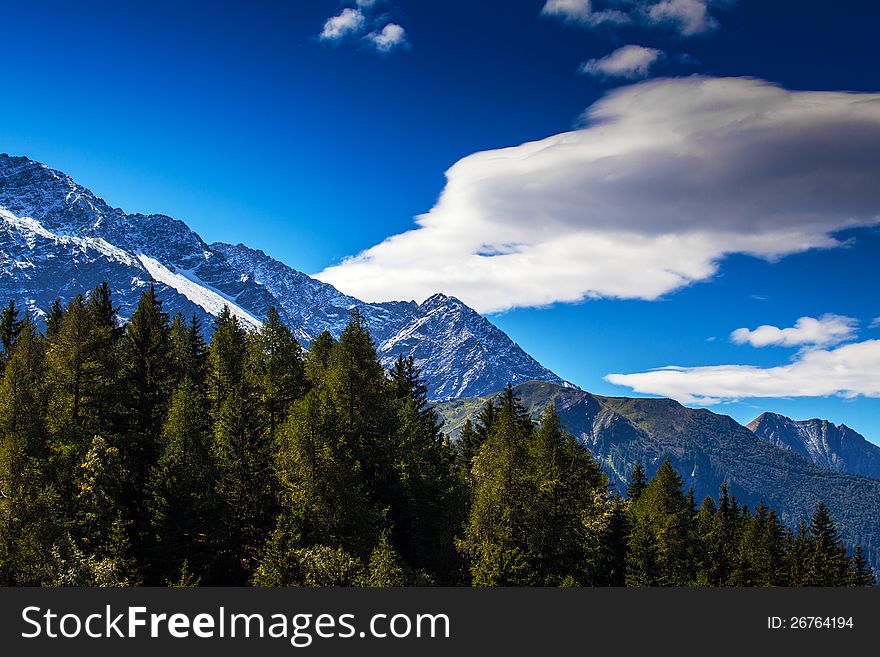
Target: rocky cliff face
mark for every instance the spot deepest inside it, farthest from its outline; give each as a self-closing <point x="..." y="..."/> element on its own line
<point x="828" y="445"/>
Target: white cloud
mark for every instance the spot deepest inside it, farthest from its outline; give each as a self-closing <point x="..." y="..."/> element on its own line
<point x="688" y="17"/>
<point x="828" y="330"/>
<point x="665" y="179"/>
<point x="347" y="23"/>
<point x="875" y="323"/>
<point x="627" y="62"/>
<point x="389" y="38"/>
<point x="582" y="11"/>
<point x="366" y="4"/>
<point x="848" y="371"/>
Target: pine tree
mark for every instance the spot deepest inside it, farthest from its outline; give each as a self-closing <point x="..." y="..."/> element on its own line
<point x="275" y="362"/>
<point x="860" y="571"/>
<point x="358" y="387"/>
<point x="188" y="351"/>
<point x="99" y="483"/>
<point x="182" y="503"/>
<point x="565" y="477"/>
<point x="384" y="569"/>
<point x="466" y="448"/>
<point x="828" y="564"/>
<point x="662" y="519"/>
<point x="29" y="504"/>
<point x="53" y="320"/>
<point x="10" y="327"/>
<point x="637" y="482"/>
<point x="146" y="378"/>
<point x="425" y="512"/>
<point x="245" y="479"/>
<point x="764" y="541"/>
<point x="495" y="540"/>
<point x="317" y="358"/>
<point x="145" y="383"/>
<point x="797" y="555"/>
<point x="324" y="496"/>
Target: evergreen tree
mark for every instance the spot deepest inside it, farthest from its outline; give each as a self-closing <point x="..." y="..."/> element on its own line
<point x="425" y="512"/>
<point x="10" y="327"/>
<point x="860" y="571"/>
<point x="662" y="521"/>
<point x="188" y="350"/>
<point x="828" y="564"/>
<point x="277" y="369"/>
<point x="637" y="482"/>
<point x="53" y="320"/>
<point x="182" y="484"/>
<point x="245" y="478"/>
<point x="565" y="478"/>
<point x="357" y="385"/>
<point x="384" y="569"/>
<point x="496" y="538"/>
<point x="29" y="503"/>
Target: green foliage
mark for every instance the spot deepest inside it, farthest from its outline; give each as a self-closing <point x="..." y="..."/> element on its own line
<point x="144" y="455"/>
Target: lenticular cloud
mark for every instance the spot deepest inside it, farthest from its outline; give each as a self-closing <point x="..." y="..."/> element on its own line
<point x="664" y="180"/>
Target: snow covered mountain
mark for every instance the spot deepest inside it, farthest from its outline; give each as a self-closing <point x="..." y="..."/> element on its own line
<point x="458" y="350"/>
<point x="58" y="239"/>
<point x="831" y="446"/>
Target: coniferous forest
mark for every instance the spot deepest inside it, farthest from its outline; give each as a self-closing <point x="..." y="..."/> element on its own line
<point x="143" y="455"/>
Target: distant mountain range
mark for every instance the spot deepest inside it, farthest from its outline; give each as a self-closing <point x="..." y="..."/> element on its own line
<point x="828" y="445"/>
<point x="58" y="239"/>
<point x="707" y="449"/>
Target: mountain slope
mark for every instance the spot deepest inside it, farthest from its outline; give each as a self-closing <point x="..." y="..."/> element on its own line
<point x="459" y="352"/>
<point x="825" y="444"/>
<point x="706" y="449"/>
<point x="58" y="239"/>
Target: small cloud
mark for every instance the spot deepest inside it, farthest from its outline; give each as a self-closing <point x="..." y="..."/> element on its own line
<point x="711" y="338"/>
<point x="347" y="23"/>
<point x="581" y="11"/>
<point x="366" y="4"/>
<point x="391" y="37"/>
<point x="759" y="297"/>
<point x="875" y="323"/>
<point x="628" y="62"/>
<point x="687" y="17"/>
<point x="848" y="371"/>
<point x="828" y="330"/>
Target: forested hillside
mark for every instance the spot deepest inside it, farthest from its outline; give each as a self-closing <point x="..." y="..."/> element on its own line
<point x="139" y="454"/>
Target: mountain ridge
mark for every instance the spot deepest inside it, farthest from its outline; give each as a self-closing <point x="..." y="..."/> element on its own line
<point x="837" y="447"/>
<point x="58" y="239"/>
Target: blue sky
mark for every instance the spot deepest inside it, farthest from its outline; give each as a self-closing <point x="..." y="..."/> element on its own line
<point x="242" y="121"/>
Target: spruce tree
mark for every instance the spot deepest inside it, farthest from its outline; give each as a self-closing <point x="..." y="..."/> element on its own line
<point x="183" y="509"/>
<point x="860" y="571"/>
<point x="637" y="482"/>
<point x="275" y="362"/>
<point x="495" y="540"/>
<point x="30" y="522"/>
<point x="827" y="564"/>
<point x="10" y="327"/>
<point x="662" y="519"/>
<point x="425" y="512"/>
<point x="565" y="477"/>
<point x="245" y="477"/>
